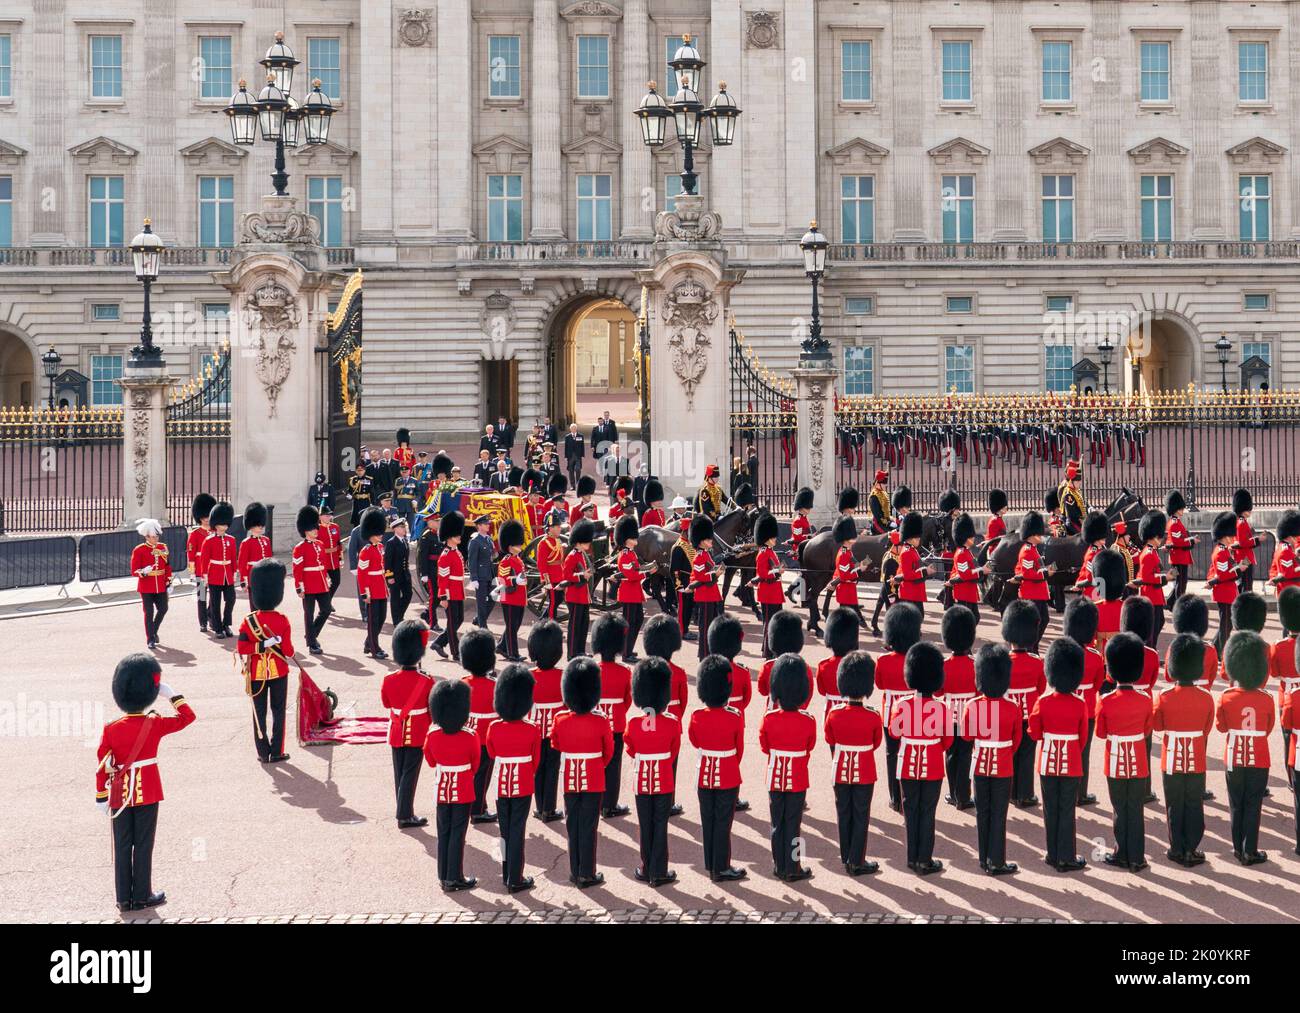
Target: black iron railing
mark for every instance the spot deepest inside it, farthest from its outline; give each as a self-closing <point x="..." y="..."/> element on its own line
<point x="764" y="428"/>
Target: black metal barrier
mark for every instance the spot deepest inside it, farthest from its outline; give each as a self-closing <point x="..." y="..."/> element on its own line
<point x="33" y="562"/>
<point x="108" y="556"/>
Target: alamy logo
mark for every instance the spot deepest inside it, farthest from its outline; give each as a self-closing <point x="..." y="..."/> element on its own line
<point x="76" y="966"/>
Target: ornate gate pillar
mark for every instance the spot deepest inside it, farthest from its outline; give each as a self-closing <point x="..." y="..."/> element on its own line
<point x="144" y="433"/>
<point x="688" y="288"/>
<point x="815" y="407"/>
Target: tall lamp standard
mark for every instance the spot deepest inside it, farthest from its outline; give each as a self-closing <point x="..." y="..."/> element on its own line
<point x="643" y="336"/>
<point x="1107" y="351"/>
<point x="50" y="363"/>
<point x="816" y="349"/>
<point x="146" y="251"/>
<point x="1224" y="347"/>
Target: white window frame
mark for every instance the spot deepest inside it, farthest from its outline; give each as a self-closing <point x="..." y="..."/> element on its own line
<point x="944" y="374"/>
<point x="1266" y="73"/>
<point x="578" y="67"/>
<point x="870" y="72"/>
<point x="1255" y="210"/>
<point x="858" y="201"/>
<point x="594" y="200"/>
<point x="1058" y="201"/>
<point x="969" y="100"/>
<point x="92" y="38"/>
<point x="216" y="203"/>
<point x="518" y="68"/>
<point x="1069" y="72"/>
<point x="7" y="67"/>
<point x="1172" y="199"/>
<point x="116" y="400"/>
<point x="873" y="369"/>
<point x="957" y="197"/>
<point x="504" y="201"/>
<point x="313" y="71"/>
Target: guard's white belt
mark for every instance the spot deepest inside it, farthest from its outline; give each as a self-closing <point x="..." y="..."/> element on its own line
<point x="648" y="757"/>
<point x="482" y="714"/>
<point x="1126" y="738"/>
<point x="992" y="743"/>
<point x="397" y="712"/>
<point x="513" y="759"/>
<point x="919" y="742"/>
<point x="547" y="706"/>
<point x="566" y="757"/>
<point x="786" y="754"/>
<point x="611" y="700"/>
<point x="835" y="698"/>
<point x="1240" y="733"/>
<point x="441" y="769"/>
<point x="716" y="754"/>
<point x="1059" y="737"/>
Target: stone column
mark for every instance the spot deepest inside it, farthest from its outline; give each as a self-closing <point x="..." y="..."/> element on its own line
<point x="1010" y="167"/>
<point x="144" y="436"/>
<point x="544" y="124"/>
<point x="48" y="183"/>
<point x="377" y="128"/>
<point x="815" y="408"/>
<point x="1108" y="167"/>
<point x="636" y="168"/>
<point x="1207" y="148"/>
<point x="912" y="171"/>
<point x="454" y="149"/>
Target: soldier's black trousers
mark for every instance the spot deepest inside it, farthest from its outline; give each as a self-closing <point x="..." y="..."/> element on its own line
<point x="582" y="821"/>
<point x="705" y="612"/>
<point x="1225" y="626"/>
<point x="883" y="601"/>
<point x="579" y="617"/>
<point x="1060" y="796"/>
<point x="652" y="819"/>
<point x="1245" y="796"/>
<point x="512" y="819"/>
<point x="316" y="608"/>
<point x="769" y="610"/>
<point x="221" y="606"/>
<point x="514" y="617"/>
<point x="1247" y="579"/>
<point x="547" y="778"/>
<point x="451" y="820"/>
<point x="992" y="797"/>
<point x="335" y="579"/>
<point x="634" y="615"/>
<point x="155" y="607"/>
<point x="957" y="765"/>
<point x="685" y="609"/>
<point x="1087" y="751"/>
<point x="407" y="761"/>
<point x="1180" y="582"/>
<point x="920" y="800"/>
<point x="1022" y="767"/>
<point x="450" y="636"/>
<point x="201" y="601"/>
<point x="613" y="776"/>
<point x="717" y="812"/>
<point x="1126" y="795"/>
<point x="891" y="770"/>
<point x="273" y="692"/>
<point x="482" y="778"/>
<point x="1185" y="804"/>
<point x="133" y="834"/>
<point x="1156" y="626"/>
<point x="398" y="602"/>
<point x="853" y="814"/>
<point x="1041" y="606"/>
<point x="786" y="810"/>
<point x="376" y="610"/>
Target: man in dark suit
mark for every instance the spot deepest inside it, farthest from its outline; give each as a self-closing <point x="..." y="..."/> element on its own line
<point x="488" y="441"/>
<point x="603" y="436"/>
<point x="483" y="468"/>
<point x="549" y="434"/>
<point x="500" y="480"/>
<point x="506" y="434"/>
<point x="480" y="567"/>
<point x="575" y="449"/>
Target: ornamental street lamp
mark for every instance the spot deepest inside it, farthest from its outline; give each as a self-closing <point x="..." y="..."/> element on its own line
<point x="814" y="245"/>
<point x="146" y="252"/>
<point x="1107" y="351"/>
<point x="1224" y="347"/>
<point x="276" y="115"/>
<point x="50" y="363"/>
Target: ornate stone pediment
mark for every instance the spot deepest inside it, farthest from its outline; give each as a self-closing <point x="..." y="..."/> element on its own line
<point x="10" y="153"/>
<point x="591" y="9"/>
<point x="593" y="153"/>
<point x="689" y="222"/>
<point x="1061" y="148"/>
<point x="857" y="150"/>
<point x="279" y="221"/>
<point x="505" y="153"/>
<point x="497" y="321"/>
<point x="1158" y="149"/>
<point x="959" y="150"/>
<point x="331" y="153"/>
<point x="689" y="312"/>
<point x="762" y="30"/>
<point x="213" y="151"/>
<point x="102" y="151"/>
<point x="1257" y="149"/>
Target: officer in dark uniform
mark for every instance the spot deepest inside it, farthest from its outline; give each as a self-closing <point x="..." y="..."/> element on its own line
<point x="405" y="496"/>
<point x="397" y="568"/>
<point x="320" y="494"/>
<point x="360" y="487"/>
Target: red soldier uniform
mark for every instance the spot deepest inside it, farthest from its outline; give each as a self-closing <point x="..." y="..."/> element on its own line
<point x="455" y="760"/>
<point x="653" y="746"/>
<point x="630" y="589"/>
<point x="579" y="511"/>
<point x="1028" y="681"/>
<point x="406" y="695"/>
<point x="252" y="549"/>
<point x="516" y="749"/>
<point x="574" y="575"/>
<point x="1244" y="549"/>
<point x="1184" y="716"/>
<point x="958" y="685"/>
<point x="537" y="512"/>
<point x="151" y="568"/>
<point x="892" y="683"/>
<point x="1179" y="543"/>
<point x="718" y="735"/>
<point x="585" y="743"/>
<point x="1029" y="568"/>
<point x="854" y="733"/>
<point x="996" y="529"/>
<point x="1281" y="664"/>
<point x="194" y="549"/>
<point x="370" y="572"/>
<point x="653" y="517"/>
<point x="451" y="571"/>
<point x="1247" y="716"/>
<point x="846" y="577"/>
<point x="127" y="774"/>
<point x="681" y="692"/>
<point x="309" y="567"/>
<point x="1085" y="582"/>
<point x="509" y="572"/>
<point x="911" y="582"/>
<point x="742" y="689"/>
<point x="827" y="681"/>
<point x="329" y="539"/>
<point x="1286" y="568"/>
<point x="615" y="695"/>
<point x="1094" y="674"/>
<point x="217" y="560"/>
<point x="1221" y="576"/>
<point x="787" y="739"/>
<point x="482" y="696"/>
<point x="272" y="663"/>
<point x="1124" y="720"/>
<point x="965" y="581"/>
<point x="550" y="565"/>
<point x="1059" y="724"/>
<point x="994" y="729"/>
<point x="800" y="532"/>
<point x="767" y="568"/>
<point x="923" y="726"/>
<point x="1150" y="585"/>
<point x="765" y="685"/>
<point x="547" y="699"/>
<point x="706" y="587"/>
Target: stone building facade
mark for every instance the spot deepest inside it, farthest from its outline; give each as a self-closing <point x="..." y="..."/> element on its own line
<point x="1005" y="185"/>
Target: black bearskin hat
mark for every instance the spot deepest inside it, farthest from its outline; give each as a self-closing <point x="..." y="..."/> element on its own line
<point x="222" y="515"/>
<point x="1288" y="526"/>
<point x="557" y="485"/>
<point x="662" y="637"/>
<point x="478" y="651"/>
<point x="765" y="529"/>
<point x="586" y="485"/>
<point x="1020" y="624"/>
<point x="1151" y="526"/>
<point x="516" y="477"/>
<point x="449" y="705"/>
<point x="1032" y="524"/>
<point x="450" y="525"/>
<point x="202" y="506"/>
<point x="1125" y="657"/>
<point x="653" y="492"/>
<point x="1225" y="526"/>
<point x="848" y="499"/>
<point x="1174" y="502"/>
<point x="725" y="634"/>
<point x="1137" y="616"/>
<point x="308" y="519"/>
<point x="744" y="495"/>
<point x="582" y="533"/>
<point x="135" y="682"/>
<point x="997" y="500"/>
<point x="266" y="584"/>
<point x="949" y="501"/>
<point x="254" y="516"/>
<point x="607" y="635"/>
<point x="803" y="499"/>
<point x="533" y="481"/>
<point x="1051" y="501"/>
<point x="442" y="465"/>
<point x="1245" y="659"/>
<point x="993" y="671"/>
<point x="511" y="533"/>
<point x="626" y="528"/>
<point x="785" y="633"/>
<point x="622" y="484"/>
<point x="701" y="528"/>
<point x="912" y="527"/>
<point x="902" y="498"/>
<point x="856" y="678"/>
<point x="403" y="436"/>
<point x="958" y="626"/>
<point x="1288" y="609"/>
<point x="1080" y="622"/>
<point x="923" y="668"/>
<point x="1064" y="665"/>
<point x="1191" y="615"/>
<point x="1242" y="501"/>
<point x="841" y="634"/>
<point x="1186" y="659"/>
<point x="374" y="522"/>
<point x="790" y="682"/>
<point x="546" y="643"/>
<point x="845" y="530"/>
<point x="409" y="642"/>
<point x="713" y="681"/>
<point x="963" y="529"/>
<point x="652" y="685"/>
<point x="902" y="626"/>
<point x="1249" y="611"/>
<point x="513" y="697"/>
<point x="1095" y="527"/>
<point x="580" y="685"/>
<point x="1111" y="573"/>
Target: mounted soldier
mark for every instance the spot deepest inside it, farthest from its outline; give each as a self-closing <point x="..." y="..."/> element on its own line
<point x="1070" y="496"/>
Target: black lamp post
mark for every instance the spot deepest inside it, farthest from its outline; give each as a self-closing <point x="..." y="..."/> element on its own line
<point x="1106" y="350"/>
<point x="146" y="251"/>
<point x="276" y="115"/>
<point x="816" y="349"/>
<point x="644" y="346"/>
<point x="1224" y="347"/>
<point x="50" y="363"/>
<point x="687" y="112"/>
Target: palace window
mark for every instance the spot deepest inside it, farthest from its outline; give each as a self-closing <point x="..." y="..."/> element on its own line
<point x="959" y="368"/>
<point x="105" y="210"/>
<point x="1157" y="209"/>
<point x="216" y="67"/>
<point x="105" y="312"/>
<point x="6" y="211"/>
<point x="216" y="210"/>
<point x="106" y="66"/>
<point x="859" y="305"/>
<point x="6" y="66"/>
<point x="1254" y="196"/>
<point x="595" y="207"/>
<point x="1252" y="71"/>
<point x="505" y="209"/>
<point x="671" y="44"/>
<point x="1058" y="209"/>
<point x="958" y="200"/>
<point x="1060" y="303"/>
<point x="325" y="202"/>
<point x="857" y="209"/>
<point x="1155" y="71"/>
<point x="503" y="66"/>
<point x="323" y="62"/>
<point x="956" y="71"/>
<point x="1261" y="348"/>
<point x="855" y="71"/>
<point x="1060" y="367"/>
<point x="959" y="304"/>
<point x="593" y="66"/>
<point x="859" y="370"/>
<point x="1056" y="72"/>
<point x="105" y="371"/>
<point x="1257" y="301"/>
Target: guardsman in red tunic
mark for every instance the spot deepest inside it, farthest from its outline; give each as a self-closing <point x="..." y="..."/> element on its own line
<point x="800" y="526"/>
<point x="1030" y="573"/>
<point x="199" y="510"/>
<point x="997" y="525"/>
<point x="514" y="744"/>
<point x="653" y="497"/>
<point x="255" y="546"/>
<point x="1192" y="615"/>
<point x="513" y="582"/>
<point x="127" y="784"/>
<point x="550" y="561"/>
<point x="575" y="579"/>
<point x="453" y="751"/>
<point x="1059" y="724"/>
<point x="404" y="455"/>
<point x="534" y="486"/>
<point x="586" y="490"/>
<point x="725" y="637"/>
<point x="958" y="630"/>
<point x="902" y="630"/>
<point x="1137" y="617"/>
<point x="1110" y="574"/>
<point x="964" y="578"/>
<point x="1180" y="542"/>
<point x="767" y="573"/>
<point x="854" y="732"/>
<point x="841" y="636"/>
<point x="405" y="695"/>
<point x="788" y="737"/>
<point x="663" y="639"/>
<point x="451" y="582"/>
<point x="331" y="542"/>
<point x="848" y="571"/>
<point x="265" y="644"/>
<point x="217" y="560"/>
<point x="1028" y="681"/>
<point x="372" y="582"/>
<point x="631" y="592"/>
<point x="311" y="576"/>
<point x="585" y="743"/>
<point x="1124" y="721"/>
<point x="1184" y="716"/>
<point x="1095" y="530"/>
<point x="620" y="505"/>
<point x="1223" y="575"/>
<point x="654" y="738"/>
<point x="478" y="659"/>
<point x="153" y="576"/>
<point x="1080" y="625"/>
<point x="545" y="648"/>
<point x="1282" y="665"/>
<point x="1243" y="549"/>
<point x="717" y="731"/>
<point x="784" y="636"/>
<point x="607" y="639"/>
<point x="911" y="574"/>
<point x="1150" y="580"/>
<point x="1286" y="562"/>
<point x="923" y="726"/>
<point x="992" y="725"/>
<point x="704" y="580"/>
<point x="1246" y="716"/>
